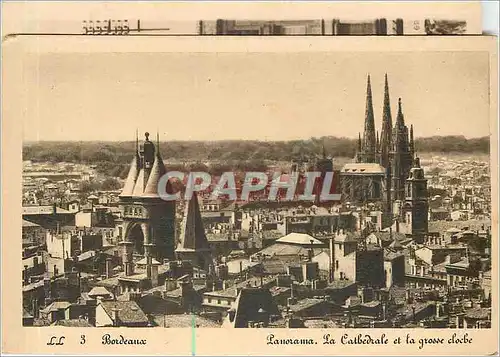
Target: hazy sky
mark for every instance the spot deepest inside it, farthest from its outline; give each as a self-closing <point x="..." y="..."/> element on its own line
<point x="266" y="96"/>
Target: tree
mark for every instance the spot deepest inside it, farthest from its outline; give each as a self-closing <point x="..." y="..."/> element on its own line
<point x="110" y="184"/>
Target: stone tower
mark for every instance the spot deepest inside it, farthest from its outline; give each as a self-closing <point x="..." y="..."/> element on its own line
<point x="401" y="156"/>
<point x="416" y="207"/>
<point x="148" y="221"/>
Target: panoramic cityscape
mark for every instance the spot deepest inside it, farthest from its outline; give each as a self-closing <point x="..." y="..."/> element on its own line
<point x="406" y="243"/>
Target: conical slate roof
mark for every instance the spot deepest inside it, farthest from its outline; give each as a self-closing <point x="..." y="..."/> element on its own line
<point x="139" y="184"/>
<point x="157" y="171"/>
<point x="128" y="188"/>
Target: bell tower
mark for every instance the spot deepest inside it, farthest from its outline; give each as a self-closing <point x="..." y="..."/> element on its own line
<point x="416" y="208"/>
<point x="148" y="221"/>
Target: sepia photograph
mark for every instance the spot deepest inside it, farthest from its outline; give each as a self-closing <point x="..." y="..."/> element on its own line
<point x="251" y="184"/>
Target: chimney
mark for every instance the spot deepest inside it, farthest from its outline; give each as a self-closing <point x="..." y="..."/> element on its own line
<point x="154" y="275"/>
<point x="148" y="266"/>
<point x="36" y="311"/>
<point x="47" y="288"/>
<point x="332" y="259"/>
<point x="114" y="316"/>
<point x="25" y="275"/>
<point x="108" y="268"/>
<point x="311" y="252"/>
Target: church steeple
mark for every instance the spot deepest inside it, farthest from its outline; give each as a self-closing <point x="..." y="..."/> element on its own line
<point x="386" y="134"/>
<point x="417" y="205"/>
<point x="359" y="157"/>
<point x="401" y="155"/>
<point x="412" y="143"/>
<point x="400" y="120"/>
<point x="369" y="141"/>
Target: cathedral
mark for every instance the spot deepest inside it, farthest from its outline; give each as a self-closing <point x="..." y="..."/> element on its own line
<point x="385" y="167"/>
<point x="393" y="150"/>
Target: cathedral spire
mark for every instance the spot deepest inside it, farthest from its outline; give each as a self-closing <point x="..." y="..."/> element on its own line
<point x="369" y="140"/>
<point x="324" y="150"/>
<point x="386" y="134"/>
<point x="358" y="156"/>
<point x="400" y="120"/>
<point x="412" y="142"/>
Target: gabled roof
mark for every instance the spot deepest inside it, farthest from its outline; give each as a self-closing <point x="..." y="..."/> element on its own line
<point x="29" y="224"/>
<point x="72" y="323"/>
<point x="127" y="312"/>
<point x="99" y="291"/>
<point x="249" y="303"/>
<point x="56" y="306"/>
<point x="41" y="210"/>
<point x="299" y="238"/>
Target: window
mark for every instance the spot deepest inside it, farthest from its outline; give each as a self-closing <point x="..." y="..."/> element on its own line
<point x="336" y="264"/>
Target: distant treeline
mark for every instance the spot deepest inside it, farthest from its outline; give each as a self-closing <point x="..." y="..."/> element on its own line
<point x="113" y="158"/>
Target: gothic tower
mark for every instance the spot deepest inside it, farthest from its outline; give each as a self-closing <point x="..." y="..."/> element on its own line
<point x="416" y="208"/>
<point x="401" y="157"/>
<point x="148" y="221"/>
<point x="386" y="134"/>
<point x="193" y="244"/>
<point x="368" y="149"/>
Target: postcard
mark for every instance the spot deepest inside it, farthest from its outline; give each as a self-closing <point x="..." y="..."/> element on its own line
<point x="249" y="195"/>
<point x="243" y="18"/>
